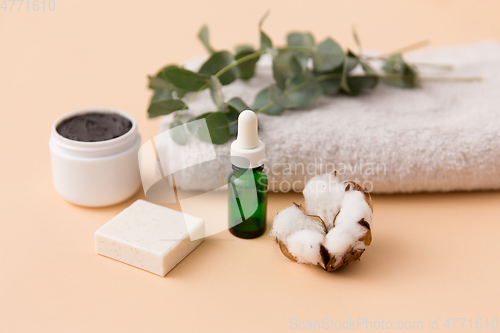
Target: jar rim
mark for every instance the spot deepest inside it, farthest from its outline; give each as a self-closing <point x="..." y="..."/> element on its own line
<point x="94" y="144"/>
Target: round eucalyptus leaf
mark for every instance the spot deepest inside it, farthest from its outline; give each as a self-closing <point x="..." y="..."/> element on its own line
<point x="161" y="94"/>
<point x="247" y="68"/>
<point x="298" y="39"/>
<point x="304" y="40"/>
<point x="343" y="80"/>
<point x="285" y="66"/>
<point x="328" y="56"/>
<point x="352" y="61"/>
<point x="306" y="95"/>
<point x="192" y="125"/>
<point x="399" y="73"/>
<point x="394" y="64"/>
<point x="216" y="93"/>
<point x="278" y="96"/>
<point x="331" y="86"/>
<point x="265" y="41"/>
<point x="262" y="99"/>
<point x="165" y="106"/>
<point x="235" y="107"/>
<point x="160" y="82"/>
<point x="185" y="79"/>
<point x="238" y="104"/>
<point x="367" y="68"/>
<point x="157" y="83"/>
<point x="203" y="35"/>
<point x="218" y="61"/>
<point x="243" y="48"/>
<point x="217" y="129"/>
<point x="359" y="83"/>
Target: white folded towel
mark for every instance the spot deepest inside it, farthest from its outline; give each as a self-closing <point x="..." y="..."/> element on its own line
<point x="441" y="137"/>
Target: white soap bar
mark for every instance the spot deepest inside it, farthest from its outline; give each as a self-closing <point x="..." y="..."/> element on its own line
<point x="150" y="237"/>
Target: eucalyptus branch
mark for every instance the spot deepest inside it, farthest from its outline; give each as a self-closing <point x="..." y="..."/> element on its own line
<point x="298" y="83"/>
<point x="453" y="79"/>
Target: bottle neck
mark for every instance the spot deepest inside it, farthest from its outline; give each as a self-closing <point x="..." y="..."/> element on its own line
<point x="238" y="169"/>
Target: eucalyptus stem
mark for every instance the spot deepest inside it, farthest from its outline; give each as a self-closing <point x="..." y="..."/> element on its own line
<point x="262" y="109"/>
<point x="297" y="48"/>
<point x="428" y="64"/>
<point x="411" y="47"/>
<point x="325" y="77"/>
<point x="239" y="61"/>
<point x="453" y="79"/>
<point x="430" y="78"/>
<point x="421" y="64"/>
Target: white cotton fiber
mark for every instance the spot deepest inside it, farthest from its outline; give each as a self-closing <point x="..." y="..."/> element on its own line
<point x="304" y="246"/>
<point x="348" y="231"/>
<point x="291" y="220"/>
<point x="339" y="240"/>
<point x="354" y="209"/>
<point x="323" y="197"/>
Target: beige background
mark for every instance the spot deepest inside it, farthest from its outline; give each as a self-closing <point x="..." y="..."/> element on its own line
<point x="434" y="256"/>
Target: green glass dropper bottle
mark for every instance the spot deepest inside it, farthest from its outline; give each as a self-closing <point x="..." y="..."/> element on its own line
<point x="247" y="185"/>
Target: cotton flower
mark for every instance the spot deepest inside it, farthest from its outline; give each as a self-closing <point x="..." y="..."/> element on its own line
<point x="332" y="229"/>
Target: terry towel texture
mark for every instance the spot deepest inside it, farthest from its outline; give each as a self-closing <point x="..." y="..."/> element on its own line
<point x="441" y="137"/>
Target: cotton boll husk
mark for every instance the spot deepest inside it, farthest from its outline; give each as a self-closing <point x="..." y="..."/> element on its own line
<point x="291" y="220"/>
<point x="304" y="245"/>
<point x="323" y="197"/>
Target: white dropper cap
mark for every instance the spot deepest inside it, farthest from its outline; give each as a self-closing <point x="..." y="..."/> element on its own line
<point x="247" y="145"/>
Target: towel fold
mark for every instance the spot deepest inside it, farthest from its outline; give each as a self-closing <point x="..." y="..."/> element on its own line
<point x="443" y="136"/>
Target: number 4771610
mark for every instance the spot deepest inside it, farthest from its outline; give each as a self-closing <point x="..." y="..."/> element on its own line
<point x="34" y="5"/>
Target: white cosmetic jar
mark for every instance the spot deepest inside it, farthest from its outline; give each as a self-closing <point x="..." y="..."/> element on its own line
<point x="95" y="174"/>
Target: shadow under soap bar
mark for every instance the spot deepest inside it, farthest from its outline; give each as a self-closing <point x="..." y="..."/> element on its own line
<point x="150" y="237"/>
